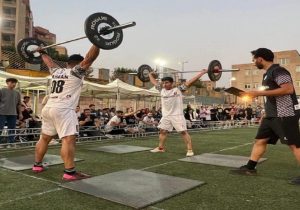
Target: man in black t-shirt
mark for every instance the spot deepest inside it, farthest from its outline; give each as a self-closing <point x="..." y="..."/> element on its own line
<point x="249" y="112"/>
<point x="281" y="120"/>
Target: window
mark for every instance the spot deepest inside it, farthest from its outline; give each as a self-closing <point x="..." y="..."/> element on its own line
<point x="255" y="72"/>
<point x="255" y="86"/>
<point x="297" y="83"/>
<point x="284" y="61"/>
<point x="8" y="37"/>
<point x="297" y="68"/>
<point x="247" y="86"/>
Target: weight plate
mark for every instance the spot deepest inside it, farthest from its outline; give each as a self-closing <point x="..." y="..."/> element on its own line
<point x="24" y="48"/>
<point x="93" y="25"/>
<point x="215" y="64"/>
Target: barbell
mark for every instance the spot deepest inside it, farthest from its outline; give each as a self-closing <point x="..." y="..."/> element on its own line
<point x="101" y="29"/>
<point x="214" y="71"/>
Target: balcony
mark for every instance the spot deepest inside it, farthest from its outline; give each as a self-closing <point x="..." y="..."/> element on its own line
<point x="9" y="16"/>
<point x="9" y="3"/>
<point x="11" y="30"/>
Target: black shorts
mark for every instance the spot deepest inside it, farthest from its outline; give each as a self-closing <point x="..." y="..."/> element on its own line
<point x="284" y="128"/>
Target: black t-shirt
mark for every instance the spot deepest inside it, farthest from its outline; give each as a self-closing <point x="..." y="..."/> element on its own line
<point x="130" y="120"/>
<point x="279" y="106"/>
<point x="249" y="111"/>
<point x="89" y="123"/>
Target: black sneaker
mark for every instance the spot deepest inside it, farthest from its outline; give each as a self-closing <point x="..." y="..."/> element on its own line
<point x="244" y="170"/>
<point x="295" y="181"/>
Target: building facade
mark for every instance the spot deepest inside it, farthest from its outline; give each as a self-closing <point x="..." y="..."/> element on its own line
<point x="16" y="22"/>
<point x="250" y="78"/>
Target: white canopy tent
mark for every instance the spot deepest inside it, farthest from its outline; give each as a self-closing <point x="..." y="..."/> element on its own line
<point x="116" y="89"/>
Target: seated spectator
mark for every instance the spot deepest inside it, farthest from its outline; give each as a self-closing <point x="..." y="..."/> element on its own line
<point x="207" y="114"/>
<point x="112" y="112"/>
<point x="26" y="103"/>
<point x="140" y="115"/>
<point x="87" y="121"/>
<point x="104" y="116"/>
<point x="92" y="107"/>
<point x="149" y="123"/>
<point x="189" y="116"/>
<point x="129" y="116"/>
<point x="116" y="126"/>
<point x="202" y="113"/>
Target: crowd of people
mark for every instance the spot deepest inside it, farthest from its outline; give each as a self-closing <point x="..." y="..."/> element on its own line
<point x="109" y="121"/>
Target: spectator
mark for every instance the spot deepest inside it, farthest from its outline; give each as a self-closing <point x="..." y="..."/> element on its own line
<point x="150" y="123"/>
<point x="232" y="112"/>
<point x="202" y="113"/>
<point x="207" y="114"/>
<point x="213" y="113"/>
<point x="10" y="102"/>
<point x="87" y="119"/>
<point x="104" y="117"/>
<point x="140" y="115"/>
<point x="220" y="113"/>
<point x="26" y="103"/>
<point x="248" y="112"/>
<point x="92" y="107"/>
<point x="112" y="112"/>
<point x="116" y="126"/>
<point x="130" y="118"/>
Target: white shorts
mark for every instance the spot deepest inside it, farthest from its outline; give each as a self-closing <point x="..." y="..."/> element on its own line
<point x="177" y="121"/>
<point x="63" y="122"/>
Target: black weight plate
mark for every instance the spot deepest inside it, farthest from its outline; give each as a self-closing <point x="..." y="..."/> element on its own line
<point x="93" y="25"/>
<point x="214" y="76"/>
<point x="143" y="72"/>
<point x="25" y="45"/>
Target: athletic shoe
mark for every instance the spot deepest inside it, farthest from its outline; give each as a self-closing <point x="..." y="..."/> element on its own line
<point x="244" y="170"/>
<point x="74" y="177"/>
<point x="295" y="181"/>
<point x="190" y="153"/>
<point x="38" y="169"/>
<point x="157" y="149"/>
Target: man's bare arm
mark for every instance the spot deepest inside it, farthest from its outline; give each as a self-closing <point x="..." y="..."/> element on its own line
<point x="195" y="78"/>
<point x="90" y="57"/>
<point x="48" y="61"/>
<point x="152" y="79"/>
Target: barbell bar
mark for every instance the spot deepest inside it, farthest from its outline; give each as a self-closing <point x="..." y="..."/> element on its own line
<point x="214" y="71"/>
<point x="104" y="31"/>
<point x="101" y="29"/>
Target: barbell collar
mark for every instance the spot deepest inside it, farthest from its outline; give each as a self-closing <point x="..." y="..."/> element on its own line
<point x="122" y="26"/>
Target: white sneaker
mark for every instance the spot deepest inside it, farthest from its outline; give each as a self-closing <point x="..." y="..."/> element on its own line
<point x="190" y="153"/>
<point x="157" y="149"/>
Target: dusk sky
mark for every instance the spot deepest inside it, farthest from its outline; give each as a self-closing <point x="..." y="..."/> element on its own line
<point x="196" y="31"/>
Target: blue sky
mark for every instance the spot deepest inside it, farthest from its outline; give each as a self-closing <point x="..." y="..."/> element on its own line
<point x="194" y="30"/>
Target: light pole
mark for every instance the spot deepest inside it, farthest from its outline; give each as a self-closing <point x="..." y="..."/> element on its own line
<point x="182" y="68"/>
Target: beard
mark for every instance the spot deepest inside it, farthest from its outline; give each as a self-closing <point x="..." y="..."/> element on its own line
<point x="259" y="65"/>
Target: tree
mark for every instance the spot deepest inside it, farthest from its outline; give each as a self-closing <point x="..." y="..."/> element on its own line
<point x="120" y="71"/>
<point x="219" y="89"/>
<point x="198" y="84"/>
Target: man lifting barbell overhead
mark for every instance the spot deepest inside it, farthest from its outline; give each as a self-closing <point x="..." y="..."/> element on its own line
<point x="172" y="110"/>
<point x="281" y="120"/>
<point x="58" y="115"/>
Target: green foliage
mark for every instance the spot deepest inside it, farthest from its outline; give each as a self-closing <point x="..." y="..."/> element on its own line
<point x="198" y="84"/>
<point x="120" y="71"/>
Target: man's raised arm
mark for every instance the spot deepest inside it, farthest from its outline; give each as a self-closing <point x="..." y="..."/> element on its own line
<point x="90" y="57"/>
<point x="195" y="78"/>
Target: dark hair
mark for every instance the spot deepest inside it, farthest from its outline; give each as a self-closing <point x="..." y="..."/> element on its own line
<point x="13" y="80"/>
<point x="169" y="79"/>
<point x="119" y="112"/>
<point x="91" y="105"/>
<point x="75" y="58"/>
<point x="264" y="53"/>
<point x="86" y="110"/>
<point x="25" y="97"/>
